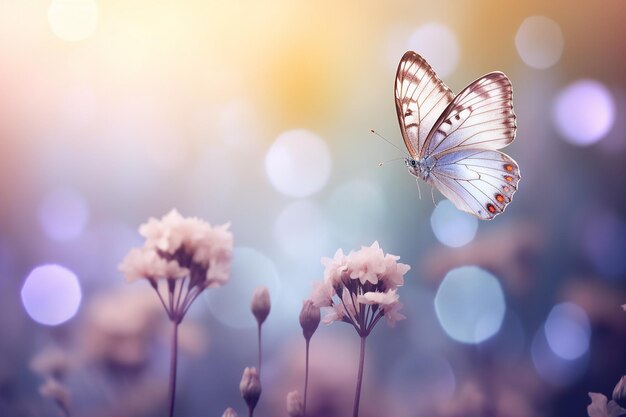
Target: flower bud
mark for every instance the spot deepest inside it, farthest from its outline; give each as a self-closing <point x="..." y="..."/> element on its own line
<point x="309" y="318"/>
<point x="261" y="304"/>
<point x="229" y="412"/>
<point x="250" y="387"/>
<point x="619" y="393"/>
<point x="295" y="408"/>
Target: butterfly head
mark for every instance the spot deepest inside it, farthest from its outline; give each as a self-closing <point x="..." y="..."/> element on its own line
<point x="418" y="167"/>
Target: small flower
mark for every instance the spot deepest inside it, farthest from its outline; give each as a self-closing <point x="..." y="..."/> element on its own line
<point x="229" y="412"/>
<point x="250" y="387"/>
<point x="165" y="234"/>
<point x="381" y="298"/>
<point x="393" y="276"/>
<point x="295" y="407"/>
<point x="392" y="313"/>
<point x="624" y="307"/>
<point x="367" y="264"/>
<point x="366" y="279"/>
<point x="601" y="407"/>
<point x="335" y="268"/>
<point x="309" y="318"/>
<point x="261" y="304"/>
<point x="57" y="392"/>
<point x="145" y="263"/>
<point x="323" y="292"/>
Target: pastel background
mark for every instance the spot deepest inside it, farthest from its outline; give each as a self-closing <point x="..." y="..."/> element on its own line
<point x="259" y="113"/>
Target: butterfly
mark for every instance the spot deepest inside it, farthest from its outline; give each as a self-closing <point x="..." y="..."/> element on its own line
<point x="453" y="141"/>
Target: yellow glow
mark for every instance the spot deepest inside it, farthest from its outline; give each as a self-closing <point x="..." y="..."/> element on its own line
<point x="73" y="20"/>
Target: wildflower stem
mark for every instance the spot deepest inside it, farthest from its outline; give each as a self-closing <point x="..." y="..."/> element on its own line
<point x="260" y="356"/>
<point x="359" y="380"/>
<point x="173" y="358"/>
<point x="306" y="377"/>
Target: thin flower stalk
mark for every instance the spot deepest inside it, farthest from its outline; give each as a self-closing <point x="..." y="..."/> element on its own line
<point x="360" y="289"/>
<point x="181" y="257"/>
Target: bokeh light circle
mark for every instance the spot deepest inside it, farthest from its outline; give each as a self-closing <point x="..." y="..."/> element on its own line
<point x="51" y="294"/>
<point x="63" y="214"/>
<point x="470" y="304"/>
<point x="301" y="229"/>
<point x="568" y="331"/>
<point x="438" y="45"/>
<point x="73" y="20"/>
<point x="250" y="269"/>
<point x="298" y="163"/>
<point x="584" y="112"/>
<point x="451" y="226"/>
<point x="539" y="42"/>
<point x="550" y="366"/>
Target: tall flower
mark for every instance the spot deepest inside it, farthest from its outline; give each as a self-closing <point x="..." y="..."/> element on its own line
<point x="359" y="289"/>
<point x="180" y="258"/>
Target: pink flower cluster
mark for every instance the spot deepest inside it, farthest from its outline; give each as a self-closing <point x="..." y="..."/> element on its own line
<point x="361" y="287"/>
<point x="177" y="247"/>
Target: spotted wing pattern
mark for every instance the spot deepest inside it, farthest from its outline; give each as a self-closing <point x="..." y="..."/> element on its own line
<point x="478" y="181"/>
<point x="421" y="97"/>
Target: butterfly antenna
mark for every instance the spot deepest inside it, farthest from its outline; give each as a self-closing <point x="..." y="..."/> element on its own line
<point x="432" y="194"/>
<point x="380" y="164"/>
<point x="419" y="191"/>
<point x="388" y="141"/>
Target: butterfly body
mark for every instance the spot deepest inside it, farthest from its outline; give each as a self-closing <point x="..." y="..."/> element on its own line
<point x="420" y="168"/>
<point x="453" y="141"/>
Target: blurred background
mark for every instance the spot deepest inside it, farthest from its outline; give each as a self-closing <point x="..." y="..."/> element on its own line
<point x="258" y="113"/>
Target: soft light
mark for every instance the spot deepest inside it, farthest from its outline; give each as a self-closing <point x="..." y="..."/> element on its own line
<point x="301" y="229"/>
<point x="604" y="243"/>
<point x="451" y="226"/>
<point x="63" y="214"/>
<point x="73" y="20"/>
<point x="438" y="45"/>
<point x="470" y="304"/>
<point x="568" y="331"/>
<point x="298" y="163"/>
<point x="539" y="42"/>
<point x="352" y="202"/>
<point x="551" y="367"/>
<point x="584" y="112"/>
<point x="250" y="269"/>
<point x="51" y="294"/>
<point x="425" y="376"/>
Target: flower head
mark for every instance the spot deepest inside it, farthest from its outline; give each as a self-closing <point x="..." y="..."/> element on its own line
<point x="295" y="406"/>
<point x="250" y="387"/>
<point x="261" y="304"/>
<point x="187" y="252"/>
<point x="366" y="279"/>
<point x="229" y="412"/>
<point x="309" y="318"/>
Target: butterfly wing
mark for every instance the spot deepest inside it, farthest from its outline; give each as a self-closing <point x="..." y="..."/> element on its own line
<point x="478" y="181"/>
<point x="480" y="117"/>
<point x="421" y="97"/>
<point x="462" y="146"/>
